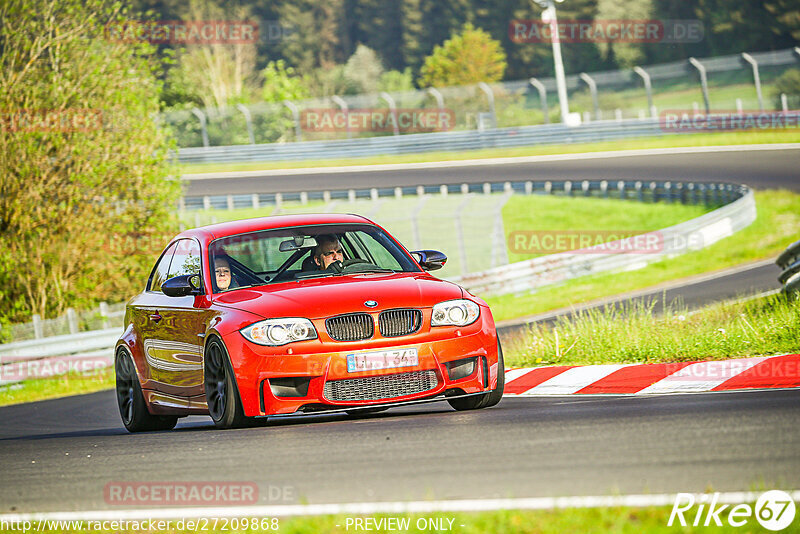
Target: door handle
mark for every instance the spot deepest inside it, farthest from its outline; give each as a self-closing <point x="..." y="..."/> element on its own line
<point x="155" y="317"/>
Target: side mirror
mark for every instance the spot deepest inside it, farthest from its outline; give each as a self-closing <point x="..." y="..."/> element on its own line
<point x="430" y="260"/>
<point x="180" y="286"/>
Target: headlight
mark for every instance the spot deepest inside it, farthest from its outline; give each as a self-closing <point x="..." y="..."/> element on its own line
<point x="276" y="332"/>
<point x="459" y="312"/>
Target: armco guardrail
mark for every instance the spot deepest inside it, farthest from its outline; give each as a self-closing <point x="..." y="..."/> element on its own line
<point x="556" y="268"/>
<point x="57" y="355"/>
<point x="428" y="142"/>
<point x="789" y="261"/>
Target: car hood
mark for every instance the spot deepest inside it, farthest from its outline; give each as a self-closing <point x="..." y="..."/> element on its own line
<point x="324" y="297"/>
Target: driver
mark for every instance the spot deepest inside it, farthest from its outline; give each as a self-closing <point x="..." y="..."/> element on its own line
<point x="327" y="251"/>
<point x="222" y="273"/>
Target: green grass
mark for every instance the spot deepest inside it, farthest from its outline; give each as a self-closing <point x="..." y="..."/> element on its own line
<point x="667" y="141"/>
<point x="776" y="227"/>
<point x="644" y="333"/>
<point x="619" y="520"/>
<point x="56" y="387"/>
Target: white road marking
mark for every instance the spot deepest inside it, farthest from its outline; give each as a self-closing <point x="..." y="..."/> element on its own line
<point x="573" y="380"/>
<point x="490" y="161"/>
<point x="369" y="508"/>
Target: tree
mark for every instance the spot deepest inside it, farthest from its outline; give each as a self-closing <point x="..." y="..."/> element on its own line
<point x="469" y="57"/>
<point x="222" y="74"/>
<point x="364" y="69"/>
<point x="282" y="83"/>
<point x="84" y="175"/>
<point x="624" y="54"/>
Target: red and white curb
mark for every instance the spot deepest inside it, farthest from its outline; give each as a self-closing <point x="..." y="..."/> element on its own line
<point x="763" y="372"/>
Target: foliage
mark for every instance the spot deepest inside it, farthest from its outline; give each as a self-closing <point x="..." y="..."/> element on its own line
<point x="788" y="83"/>
<point x="466" y="58"/>
<point x="282" y="83"/>
<point x="73" y="189"/>
<point x="395" y="81"/>
<point x="364" y="69"/>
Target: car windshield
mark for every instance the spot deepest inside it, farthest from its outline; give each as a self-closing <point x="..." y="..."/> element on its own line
<point x="302" y="252"/>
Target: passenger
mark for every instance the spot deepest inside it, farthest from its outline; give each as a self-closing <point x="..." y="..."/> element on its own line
<point x="327" y="251"/>
<point x="222" y="273"/>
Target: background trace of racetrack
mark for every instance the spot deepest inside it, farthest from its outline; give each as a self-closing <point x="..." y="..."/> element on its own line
<point x="58" y="455"/>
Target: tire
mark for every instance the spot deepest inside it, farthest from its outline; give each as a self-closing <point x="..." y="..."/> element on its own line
<point x="130" y="400"/>
<point x="222" y="395"/>
<point x="476" y="402"/>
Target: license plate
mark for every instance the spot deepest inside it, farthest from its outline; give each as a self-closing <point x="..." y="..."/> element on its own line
<point x="385" y="359"/>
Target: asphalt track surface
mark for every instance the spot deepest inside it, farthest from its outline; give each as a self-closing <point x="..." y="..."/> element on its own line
<point x="59" y="455"/>
<point x="560" y="446"/>
<point x="774" y="169"/>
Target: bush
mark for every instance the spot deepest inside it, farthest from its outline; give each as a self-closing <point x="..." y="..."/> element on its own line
<point x="83" y="163"/>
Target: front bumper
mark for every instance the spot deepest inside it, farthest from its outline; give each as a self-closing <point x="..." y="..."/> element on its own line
<point x="310" y="365"/>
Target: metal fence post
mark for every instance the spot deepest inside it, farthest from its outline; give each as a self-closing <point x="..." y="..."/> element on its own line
<point x="648" y="86"/>
<point x="339" y="101"/>
<point x="490" y="97"/>
<point x="756" y="78"/>
<point x="393" y="109"/>
<point x="38" y="327"/>
<point x="593" y="88"/>
<point x="703" y="81"/>
<point x="298" y="130"/>
<point x="203" y="128"/>
<point x="542" y="97"/>
<point x="72" y="320"/>
<point x="462" y="250"/>
<point x="104" y="313"/>
<point x="784" y="103"/>
<point x="248" y="119"/>
<point x="434" y="92"/>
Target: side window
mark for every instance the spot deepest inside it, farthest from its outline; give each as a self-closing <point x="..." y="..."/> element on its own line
<point x="383" y="258"/>
<point x="186" y="259"/>
<point x="160" y="272"/>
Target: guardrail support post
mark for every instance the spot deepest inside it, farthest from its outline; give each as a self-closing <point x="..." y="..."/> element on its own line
<point x="104" y="313"/>
<point x="639" y="192"/>
<point x="604" y="188"/>
<point x="298" y="130"/>
<point x="38" y="330"/>
<point x="528" y="188"/>
<point x="398" y="192"/>
<point x="593" y="88"/>
<point x="339" y="101"/>
<point x="303" y="198"/>
<point x="230" y="202"/>
<point x="490" y="97"/>
<point x="203" y="127"/>
<point x="206" y="202"/>
<point x="703" y="82"/>
<point x="585" y="187"/>
<point x="621" y="189"/>
<point x="254" y="199"/>
<point x="648" y="87"/>
<point x="248" y="119"/>
<point x="568" y="188"/>
<point x="668" y="192"/>
<point x="72" y="320"/>
<point x="464" y="189"/>
<point x="756" y="78"/>
<point x="487" y="188"/>
<point x="393" y="109"/>
<point x="542" y="97"/>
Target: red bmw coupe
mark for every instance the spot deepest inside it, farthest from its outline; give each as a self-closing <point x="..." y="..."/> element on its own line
<point x="300" y="314"/>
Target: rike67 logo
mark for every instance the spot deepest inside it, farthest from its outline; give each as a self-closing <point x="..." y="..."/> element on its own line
<point x="774" y="510"/>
